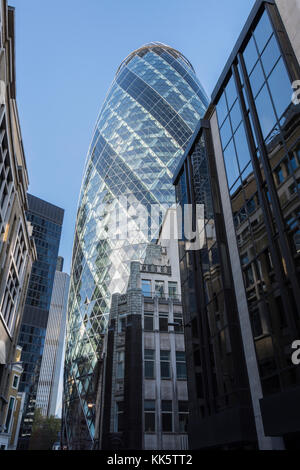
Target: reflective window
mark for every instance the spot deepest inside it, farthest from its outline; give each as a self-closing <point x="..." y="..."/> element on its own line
<point x="256" y="79"/>
<point x="280" y="87"/>
<point x="265" y="111"/>
<point x="222" y="109"/>
<point x="146" y="287"/>
<point x="231" y="164"/>
<point x="242" y="147"/>
<point x="250" y="55"/>
<point x="235" y="116"/>
<point x="270" y="55"/>
<point x="226" y="133"/>
<point x="263" y="31"/>
<point x="231" y="93"/>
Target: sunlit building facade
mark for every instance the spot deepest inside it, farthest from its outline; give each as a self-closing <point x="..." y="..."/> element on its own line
<point x="147" y="119"/>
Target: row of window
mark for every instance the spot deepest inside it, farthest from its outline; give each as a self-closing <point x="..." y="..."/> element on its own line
<point x="150" y="416"/>
<point x="163" y="322"/>
<point x="159" y="288"/>
<point x="165" y="364"/>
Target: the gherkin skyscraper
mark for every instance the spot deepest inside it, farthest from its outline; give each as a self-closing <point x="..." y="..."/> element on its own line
<point x="145" y="123"/>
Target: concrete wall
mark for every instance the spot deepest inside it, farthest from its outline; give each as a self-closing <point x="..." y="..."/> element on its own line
<point x="290" y="13"/>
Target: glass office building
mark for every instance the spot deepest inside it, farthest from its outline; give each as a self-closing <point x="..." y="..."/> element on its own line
<point x="46" y="220"/>
<point x="147" y="119"/>
<point x="251" y="138"/>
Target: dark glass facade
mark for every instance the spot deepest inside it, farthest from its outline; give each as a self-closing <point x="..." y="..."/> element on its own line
<point x="256" y="145"/>
<point x="46" y="220"/>
<point x="217" y="381"/>
<point x="148" y="117"/>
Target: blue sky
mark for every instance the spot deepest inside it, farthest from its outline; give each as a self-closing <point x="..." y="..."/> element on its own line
<point x="67" y="52"/>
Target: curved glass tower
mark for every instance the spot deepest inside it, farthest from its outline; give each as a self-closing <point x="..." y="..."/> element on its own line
<point x="146" y="121"/>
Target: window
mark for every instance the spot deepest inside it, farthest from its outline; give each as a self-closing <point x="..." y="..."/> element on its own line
<point x="279" y="175"/>
<point x="146" y="288"/>
<point x="183" y="415"/>
<point x="149" y="408"/>
<point x="232" y="169"/>
<point x="173" y="290"/>
<point x="165" y="372"/>
<point x="119" y="423"/>
<point x="120" y="364"/>
<point x="122" y="325"/>
<point x="178" y="322"/>
<point x="148" y="321"/>
<point x="167" y="415"/>
<point x="149" y="363"/>
<point x="159" y="288"/>
<point x="9" y="414"/>
<point x="15" y="381"/>
<point x="180" y="365"/>
<point x="163" y="322"/>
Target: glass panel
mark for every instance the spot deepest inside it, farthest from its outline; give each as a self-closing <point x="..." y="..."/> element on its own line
<point x="167" y="422"/>
<point x="148" y="323"/>
<point x="280" y="87"/>
<point x="146" y="288"/>
<point x="226" y="133"/>
<point x="270" y="55"/>
<point x="166" y="405"/>
<point x="242" y="147"/>
<point x="265" y="111"/>
<point x="231" y="92"/>
<point x="149" y="405"/>
<point x="257" y="79"/>
<point x="173" y="289"/>
<point x="263" y="31"/>
<point x="159" y="288"/>
<point x="149" y="422"/>
<point x="231" y="164"/>
<point x="222" y="109"/>
<point x="235" y="116"/>
<point x="250" y="55"/>
<point x="163" y="324"/>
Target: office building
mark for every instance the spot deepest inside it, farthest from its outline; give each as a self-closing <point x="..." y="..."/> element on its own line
<point x="50" y="373"/>
<point x="240" y="282"/>
<point x="145" y="401"/>
<point x="148" y="117"/>
<point x="17" y="250"/>
<point x="46" y="220"/>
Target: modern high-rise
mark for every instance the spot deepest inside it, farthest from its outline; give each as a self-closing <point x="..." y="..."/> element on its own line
<point x="50" y="373"/>
<point x="17" y="250"/>
<point x="147" y="119"/>
<point x="47" y="220"/>
<point x="240" y="282"/>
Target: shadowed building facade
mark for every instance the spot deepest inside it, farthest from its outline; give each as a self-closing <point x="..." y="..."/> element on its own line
<point x="149" y="115"/>
<point x="240" y="289"/>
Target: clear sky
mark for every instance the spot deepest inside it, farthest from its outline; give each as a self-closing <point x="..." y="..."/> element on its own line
<point x="67" y="52"/>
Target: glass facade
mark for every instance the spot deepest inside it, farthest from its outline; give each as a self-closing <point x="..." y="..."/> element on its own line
<point x="148" y="117"/>
<point x="216" y="370"/>
<point x="46" y="221"/>
<point x="260" y="132"/>
<point x="240" y="290"/>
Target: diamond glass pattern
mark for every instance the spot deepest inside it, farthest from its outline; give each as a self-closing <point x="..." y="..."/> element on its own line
<point x="147" y="119"/>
